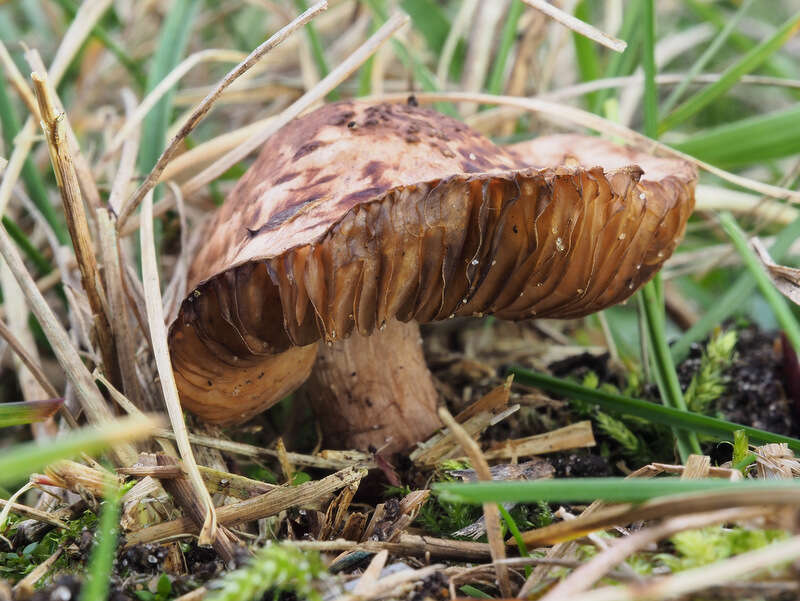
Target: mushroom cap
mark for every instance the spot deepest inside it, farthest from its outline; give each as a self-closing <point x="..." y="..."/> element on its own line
<point x="355" y="214"/>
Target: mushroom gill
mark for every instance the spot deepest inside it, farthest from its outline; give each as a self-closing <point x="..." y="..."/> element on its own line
<point x="355" y="217"/>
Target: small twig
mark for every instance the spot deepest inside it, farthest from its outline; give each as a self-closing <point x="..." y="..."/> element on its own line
<point x="248" y="450"/>
<point x="268" y="504"/>
<point x="25" y="587"/>
<point x="34" y="514"/>
<point x="205" y="106"/>
<point x="315" y="94"/>
<point x="578" y="26"/>
<point x="158" y="337"/>
<point x="490" y="512"/>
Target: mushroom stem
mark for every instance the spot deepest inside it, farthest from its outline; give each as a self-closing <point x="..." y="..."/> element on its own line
<point x="375" y="390"/>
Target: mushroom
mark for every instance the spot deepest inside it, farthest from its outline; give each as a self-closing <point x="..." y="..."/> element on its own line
<point x="357" y="222"/>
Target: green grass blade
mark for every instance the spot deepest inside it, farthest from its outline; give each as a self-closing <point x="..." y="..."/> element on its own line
<point x="730" y="302"/>
<point x="422" y="74"/>
<point x="316" y="49"/>
<point x="102" y="36"/>
<point x="474" y="592"/>
<point x="711" y="13"/>
<point x="707" y="55"/>
<point x="652" y="295"/>
<point x="623" y="63"/>
<point x="657" y="414"/>
<point x="669" y="386"/>
<point x="43" y="266"/>
<point x="172" y="40"/>
<point x="507" y="38"/>
<point x="582" y="490"/>
<point x="586" y="51"/>
<point x="650" y="98"/>
<point x="514" y="530"/>
<point x="750" y="61"/>
<point x="101" y="560"/>
<point x="747" y="141"/>
<point x="23" y="459"/>
<point x="28" y="412"/>
<point x="34" y="184"/>
<point x="430" y="20"/>
<point x="777" y="302"/>
<point x="365" y="72"/>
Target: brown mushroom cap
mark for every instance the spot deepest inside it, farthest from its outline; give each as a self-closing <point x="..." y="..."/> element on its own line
<point x="357" y="214"/>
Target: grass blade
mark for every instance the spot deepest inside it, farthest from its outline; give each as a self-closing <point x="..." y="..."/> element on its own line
<point x="34" y="184"/>
<point x="707" y="55"/>
<point x="730" y="77"/>
<point x="668" y="384"/>
<point x="586" y="51"/>
<point x="26" y="458"/>
<point x="27" y="412"/>
<point x="747" y="141"/>
<point x="172" y="42"/>
<point x="578" y="490"/>
<point x="658" y="414"/>
<point x="507" y="39"/>
<point x="101" y="560"/>
<point x="649" y="67"/>
<point x="102" y="36"/>
<point x="410" y="61"/>
<point x="623" y="63"/>
<point x="316" y="49"/>
<point x="778" y="304"/>
<point x="730" y="302"/>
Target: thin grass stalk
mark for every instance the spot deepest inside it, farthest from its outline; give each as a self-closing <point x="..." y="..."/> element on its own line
<point x="87" y="16"/>
<point x="515" y="532"/>
<point x="507" y="38"/>
<point x="306" y="101"/>
<point x="562" y="112"/>
<point x="158" y="338"/>
<point x="30" y="176"/>
<point x="611" y="490"/>
<point x="733" y="298"/>
<point x="707" y="55"/>
<point x="164" y="89"/>
<point x="586" y="51"/>
<point x="625" y="62"/>
<point x="29" y="362"/>
<point x="99" y="33"/>
<point x="25" y="458"/>
<point x="316" y="49"/>
<point x="55" y="130"/>
<point x="422" y="74"/>
<point x="744" y="65"/>
<point x="776" y="301"/>
<point x="581" y="27"/>
<point x="85" y="388"/>
<point x="649" y="68"/>
<point x="655" y="413"/>
<point x="124" y="334"/>
<point x="172" y="40"/>
<point x="101" y="559"/>
<point x="491" y="514"/>
<point x="202" y="109"/>
<point x="684" y="583"/>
